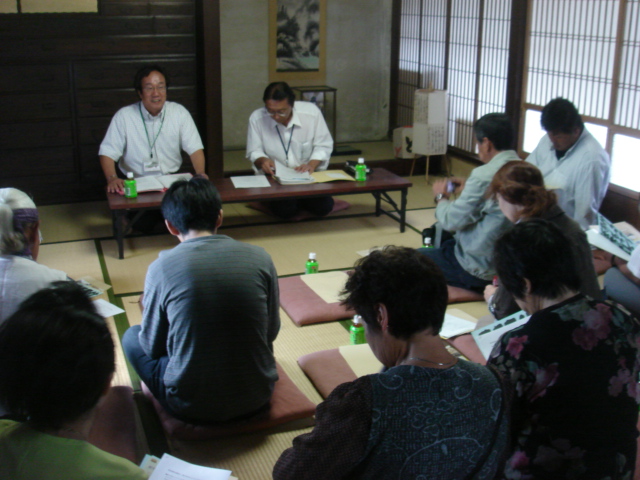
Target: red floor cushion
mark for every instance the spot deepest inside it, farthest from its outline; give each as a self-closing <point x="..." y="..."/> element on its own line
<point x="290" y="409"/>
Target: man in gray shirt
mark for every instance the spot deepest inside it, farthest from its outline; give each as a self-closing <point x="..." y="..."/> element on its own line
<point x="477" y="222"/>
<point x="211" y="314"/>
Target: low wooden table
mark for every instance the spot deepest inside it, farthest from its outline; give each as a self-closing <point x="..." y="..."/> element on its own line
<point x="379" y="183"/>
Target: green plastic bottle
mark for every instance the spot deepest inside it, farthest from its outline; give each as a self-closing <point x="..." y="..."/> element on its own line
<point x="312" y="264"/>
<point x="361" y="170"/>
<point x="357" y="331"/>
<point x="130" y="187"/>
<point x="427" y="242"/>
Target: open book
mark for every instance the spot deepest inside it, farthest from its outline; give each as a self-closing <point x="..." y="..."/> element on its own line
<point x="159" y="183"/>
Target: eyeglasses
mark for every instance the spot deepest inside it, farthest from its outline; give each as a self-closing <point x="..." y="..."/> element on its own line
<point x="151" y="88"/>
<point x="279" y="113"/>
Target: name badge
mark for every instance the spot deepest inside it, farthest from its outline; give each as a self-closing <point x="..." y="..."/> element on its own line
<point x="151" y="167"/>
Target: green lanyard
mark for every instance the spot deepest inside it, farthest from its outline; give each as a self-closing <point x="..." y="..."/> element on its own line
<point x="287" y="148"/>
<point x="151" y="145"/>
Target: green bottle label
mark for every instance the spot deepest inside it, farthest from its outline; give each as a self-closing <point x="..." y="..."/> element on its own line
<point x="130" y="189"/>
<point x="361" y="172"/>
<point x="356" y="335"/>
<point x="311" y="267"/>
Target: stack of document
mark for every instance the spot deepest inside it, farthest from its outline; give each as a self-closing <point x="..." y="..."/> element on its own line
<point x="288" y="176"/>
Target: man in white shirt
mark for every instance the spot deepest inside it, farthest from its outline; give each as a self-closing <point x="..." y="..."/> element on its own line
<point x="572" y="161"/>
<point x="147" y="137"/>
<point x="292" y="133"/>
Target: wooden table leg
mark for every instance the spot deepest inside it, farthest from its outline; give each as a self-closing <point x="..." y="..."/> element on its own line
<point x="118" y="230"/>
<point x="403" y="209"/>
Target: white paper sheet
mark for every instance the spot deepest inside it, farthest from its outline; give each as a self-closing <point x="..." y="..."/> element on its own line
<point x="454" y="326"/>
<point x="172" y="468"/>
<point x="250" y="181"/>
<point x="107" y="309"/>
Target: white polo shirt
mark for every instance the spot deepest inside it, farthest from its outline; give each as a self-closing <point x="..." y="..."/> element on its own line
<point x="156" y="149"/>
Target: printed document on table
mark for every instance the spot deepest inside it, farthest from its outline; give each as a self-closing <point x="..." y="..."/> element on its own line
<point x="172" y="468"/>
<point x="250" y="181"/>
<point x="288" y="176"/>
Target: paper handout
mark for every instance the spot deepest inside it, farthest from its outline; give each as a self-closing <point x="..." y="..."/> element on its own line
<point x="172" y="468"/>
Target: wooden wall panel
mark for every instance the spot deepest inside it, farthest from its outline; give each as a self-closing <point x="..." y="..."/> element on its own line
<point x="127" y="7"/>
<point x="123" y="10"/>
<point x="45" y="161"/>
<point x="16" y="108"/>
<point x="91" y="130"/>
<point x="174" y="25"/>
<point x="31" y="26"/>
<point x="119" y="74"/>
<point x="89" y="163"/>
<point x="33" y="135"/>
<point x="34" y="78"/>
<point x="17" y="49"/>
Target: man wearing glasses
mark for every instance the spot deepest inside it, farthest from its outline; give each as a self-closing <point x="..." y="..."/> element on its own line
<point x="147" y="137"/>
<point x="292" y="133"/>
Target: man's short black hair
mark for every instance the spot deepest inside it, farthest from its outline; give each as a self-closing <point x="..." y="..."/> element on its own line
<point x="497" y="128"/>
<point x="192" y="205"/>
<point x="408" y="283"/>
<point x="145" y="72"/>
<point x="279" y="91"/>
<point x="560" y="115"/>
<point x="538" y="251"/>
<point x="56" y="357"/>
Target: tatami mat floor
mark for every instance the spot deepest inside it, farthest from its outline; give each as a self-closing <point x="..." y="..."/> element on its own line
<point x="77" y="240"/>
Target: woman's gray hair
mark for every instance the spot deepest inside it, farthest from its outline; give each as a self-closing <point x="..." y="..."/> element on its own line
<point x="17" y="211"/>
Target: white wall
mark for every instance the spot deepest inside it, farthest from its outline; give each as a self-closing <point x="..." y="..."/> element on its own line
<point x="358" y="64"/>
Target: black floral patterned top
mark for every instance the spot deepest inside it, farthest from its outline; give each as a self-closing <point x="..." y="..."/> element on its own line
<point x="574" y="367"/>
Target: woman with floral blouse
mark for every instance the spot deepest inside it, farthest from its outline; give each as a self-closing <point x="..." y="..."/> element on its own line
<point x="574" y="365"/>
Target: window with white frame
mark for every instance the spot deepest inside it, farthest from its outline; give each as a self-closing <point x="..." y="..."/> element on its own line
<point x="461" y="46"/>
